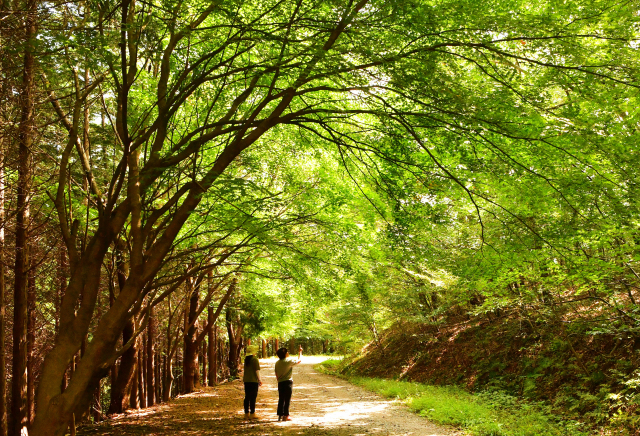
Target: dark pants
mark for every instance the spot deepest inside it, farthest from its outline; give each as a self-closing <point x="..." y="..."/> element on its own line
<point x="285" y="389"/>
<point x="250" y="395"/>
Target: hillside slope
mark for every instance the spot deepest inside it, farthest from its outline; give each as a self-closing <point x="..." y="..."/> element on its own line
<point x="586" y="375"/>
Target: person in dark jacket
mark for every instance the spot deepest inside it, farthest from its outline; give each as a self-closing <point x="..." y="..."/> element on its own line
<point x="252" y="381"/>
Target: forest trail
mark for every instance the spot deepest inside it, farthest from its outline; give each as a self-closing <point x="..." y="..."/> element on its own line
<point x="321" y="405"/>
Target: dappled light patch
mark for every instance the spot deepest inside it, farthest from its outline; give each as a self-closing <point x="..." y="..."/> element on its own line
<point x="321" y="405"/>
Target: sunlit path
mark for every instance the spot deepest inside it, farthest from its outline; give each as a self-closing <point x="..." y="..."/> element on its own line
<point x="321" y="405"/>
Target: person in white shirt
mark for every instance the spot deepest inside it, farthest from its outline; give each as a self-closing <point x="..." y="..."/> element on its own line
<point x="284" y="374"/>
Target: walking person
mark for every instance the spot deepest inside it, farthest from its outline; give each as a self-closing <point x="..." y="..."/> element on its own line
<point x="252" y="381"/>
<point x="284" y="374"/>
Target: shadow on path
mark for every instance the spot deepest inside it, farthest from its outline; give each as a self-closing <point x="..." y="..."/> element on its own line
<point x="321" y="405"/>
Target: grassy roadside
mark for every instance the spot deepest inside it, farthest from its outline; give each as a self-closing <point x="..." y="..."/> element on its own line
<point x="491" y="413"/>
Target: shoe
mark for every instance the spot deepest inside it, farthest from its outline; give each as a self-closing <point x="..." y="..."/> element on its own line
<point x="254" y="416"/>
<point x="279" y="418"/>
<point x="246" y="416"/>
<point x="286" y="418"/>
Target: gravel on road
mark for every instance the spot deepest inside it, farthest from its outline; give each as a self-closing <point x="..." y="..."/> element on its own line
<point x="322" y="405"/>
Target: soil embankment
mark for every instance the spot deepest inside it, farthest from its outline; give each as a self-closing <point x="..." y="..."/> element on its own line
<point x="571" y="366"/>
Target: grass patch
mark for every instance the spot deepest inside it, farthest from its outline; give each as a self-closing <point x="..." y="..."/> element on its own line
<point x="330" y="366"/>
<point x="491" y="413"/>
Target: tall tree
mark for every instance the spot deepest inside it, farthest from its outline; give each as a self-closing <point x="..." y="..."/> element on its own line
<point x="6" y="141"/>
<point x="26" y="136"/>
<point x="3" y="368"/>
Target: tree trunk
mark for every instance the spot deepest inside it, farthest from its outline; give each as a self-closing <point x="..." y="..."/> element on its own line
<point x="180" y="378"/>
<point x="5" y="142"/>
<point x="203" y="353"/>
<point x="212" y="338"/>
<point x="115" y="366"/>
<point x="264" y="348"/>
<point x="31" y="338"/>
<point x="134" y="402"/>
<point x="62" y="285"/>
<point x="235" y="346"/>
<point x="190" y="362"/>
<point x="151" y="330"/>
<point x="72" y="426"/>
<point x="232" y="356"/>
<point x="142" y="400"/>
<point x="168" y="379"/>
<point x="72" y="368"/>
<point x="224" y="353"/>
<point x="157" y="378"/>
<point x="96" y="411"/>
<point x="20" y="314"/>
<point x="122" y="392"/>
<point x="211" y="351"/>
<point x="176" y="386"/>
<point x="3" y="369"/>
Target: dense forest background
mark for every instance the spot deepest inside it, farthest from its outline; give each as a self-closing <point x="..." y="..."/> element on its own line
<point x="179" y="178"/>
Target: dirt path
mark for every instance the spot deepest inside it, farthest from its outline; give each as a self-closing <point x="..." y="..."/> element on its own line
<point x="321" y="405"/>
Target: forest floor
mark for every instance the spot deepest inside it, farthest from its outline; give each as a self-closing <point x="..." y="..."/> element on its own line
<point x="321" y="405"/>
